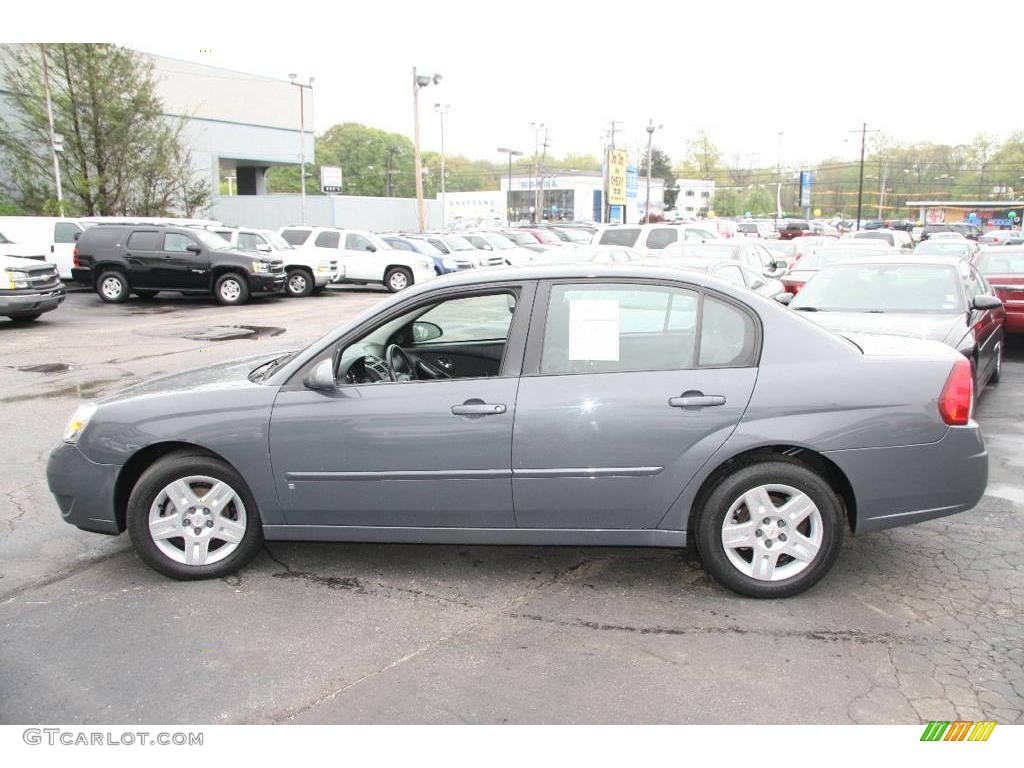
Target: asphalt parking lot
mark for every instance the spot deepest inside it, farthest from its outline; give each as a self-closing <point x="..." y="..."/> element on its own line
<point x="913" y="624"/>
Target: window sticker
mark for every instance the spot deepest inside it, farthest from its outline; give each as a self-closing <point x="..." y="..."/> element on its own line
<point x="593" y="329"/>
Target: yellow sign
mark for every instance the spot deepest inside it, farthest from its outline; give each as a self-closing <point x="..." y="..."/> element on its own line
<point x="618" y="160"/>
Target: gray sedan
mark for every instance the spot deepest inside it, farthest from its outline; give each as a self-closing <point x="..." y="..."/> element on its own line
<point x="572" y="405"/>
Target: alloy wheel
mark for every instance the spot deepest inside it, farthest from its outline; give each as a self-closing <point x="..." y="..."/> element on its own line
<point x="772" y="532"/>
<point x="197" y="520"/>
<point x="230" y="290"/>
<point x="297" y="283"/>
<point x="112" y="287"/>
<point x="398" y="281"/>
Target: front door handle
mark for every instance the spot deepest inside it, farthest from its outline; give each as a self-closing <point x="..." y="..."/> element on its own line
<point x="696" y="400"/>
<point x="478" y="408"/>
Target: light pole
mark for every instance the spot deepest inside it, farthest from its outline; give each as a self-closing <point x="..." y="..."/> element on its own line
<point x="508" y="197"/>
<point x="860" y="183"/>
<point x="650" y="141"/>
<point x="55" y="146"/>
<point x="302" y="139"/>
<point x="442" y="110"/>
<point x="420" y="81"/>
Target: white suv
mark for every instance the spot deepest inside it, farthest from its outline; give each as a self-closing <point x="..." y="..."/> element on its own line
<point x="648" y="239"/>
<point x="306" y="272"/>
<point x="364" y="257"/>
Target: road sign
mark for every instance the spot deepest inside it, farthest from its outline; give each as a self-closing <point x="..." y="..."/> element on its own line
<point x="805" y="189"/>
<point x="618" y="164"/>
<point x="330" y="178"/>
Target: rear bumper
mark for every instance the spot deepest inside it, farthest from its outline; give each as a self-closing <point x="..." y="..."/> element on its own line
<point x="912" y="483"/>
<point x="28" y="302"/>
<point x="82" y="275"/>
<point x="84" y="489"/>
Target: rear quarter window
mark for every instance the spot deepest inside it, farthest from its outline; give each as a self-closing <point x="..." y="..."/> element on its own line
<point x="144" y="241"/>
<point x="100" y="237"/>
<point x="296" y="237"/>
<point x="624" y="236"/>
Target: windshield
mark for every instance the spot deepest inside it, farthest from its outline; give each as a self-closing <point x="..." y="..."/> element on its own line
<point x="277" y="242"/>
<point x="212" y="241"/>
<point x="1001" y="263"/>
<point x="422" y="246"/>
<point x="457" y="243"/>
<point x="823" y="257"/>
<point x="522" y="238"/>
<point x="576" y="235"/>
<point x="546" y="237"/>
<point x="4" y="240"/>
<point x="882" y="288"/>
<point x="500" y="242"/>
<point x="943" y="248"/>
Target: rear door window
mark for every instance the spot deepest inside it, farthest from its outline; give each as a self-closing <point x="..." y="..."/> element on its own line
<point x="144" y="241"/>
<point x="177" y="243"/>
<point x="248" y="241"/>
<point x="65" y="232"/>
<point x="354" y="242"/>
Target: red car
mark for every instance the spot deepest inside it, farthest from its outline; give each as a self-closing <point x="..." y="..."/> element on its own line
<point x="544" y="236"/>
<point x="1003" y="267"/>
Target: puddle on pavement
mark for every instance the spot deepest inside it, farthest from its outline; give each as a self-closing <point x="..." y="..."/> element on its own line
<point x="84" y="389"/>
<point x="233" y="332"/>
<point x="143" y="310"/>
<point x="45" y="368"/>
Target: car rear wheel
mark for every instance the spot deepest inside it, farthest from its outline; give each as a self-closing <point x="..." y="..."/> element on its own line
<point x="397" y="279"/>
<point x="770" y="529"/>
<point x="231" y="288"/>
<point x="299" y="282"/>
<point x="112" y="287"/>
<point x="193" y="517"/>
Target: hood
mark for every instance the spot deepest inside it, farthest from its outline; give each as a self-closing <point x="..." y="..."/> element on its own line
<point x="947" y="328"/>
<point x="233" y="373"/>
<point x="14" y="255"/>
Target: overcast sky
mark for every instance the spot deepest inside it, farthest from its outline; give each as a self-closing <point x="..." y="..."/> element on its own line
<point x="815" y="71"/>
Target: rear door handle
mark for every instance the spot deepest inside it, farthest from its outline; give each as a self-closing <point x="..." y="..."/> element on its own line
<point x="696" y="401"/>
<point x="478" y="409"/>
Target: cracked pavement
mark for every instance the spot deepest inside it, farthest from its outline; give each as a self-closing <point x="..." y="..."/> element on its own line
<point x="913" y="624"/>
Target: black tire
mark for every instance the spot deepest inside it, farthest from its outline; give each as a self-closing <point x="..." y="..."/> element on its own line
<point x="145" y="294"/>
<point x="231" y="289"/>
<point x="26" y="317"/>
<point x="997" y="371"/>
<point x="299" y="282"/>
<point x="397" y="279"/>
<point x="173" y="467"/>
<point x="709" y="519"/>
<point x="107" y="287"/>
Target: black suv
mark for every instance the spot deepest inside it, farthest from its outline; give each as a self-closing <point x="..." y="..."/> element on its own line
<point x="145" y="259"/>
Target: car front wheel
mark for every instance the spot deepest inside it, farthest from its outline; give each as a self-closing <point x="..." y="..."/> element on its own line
<point x="231" y="288"/>
<point x="397" y="279"/>
<point x="193" y="517"/>
<point x="299" y="283"/>
<point x="770" y="529"/>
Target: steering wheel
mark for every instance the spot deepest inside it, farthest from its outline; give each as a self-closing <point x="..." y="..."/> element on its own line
<point x="391" y="354"/>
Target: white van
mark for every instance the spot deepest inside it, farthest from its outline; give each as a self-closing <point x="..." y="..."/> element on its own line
<point x="48" y="237"/>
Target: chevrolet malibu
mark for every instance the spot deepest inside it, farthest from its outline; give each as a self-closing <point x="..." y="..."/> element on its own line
<point x="565" y="405"/>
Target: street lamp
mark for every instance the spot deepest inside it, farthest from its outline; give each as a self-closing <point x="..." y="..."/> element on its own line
<point x="508" y="197"/>
<point x="650" y="140"/>
<point x="302" y="138"/>
<point x="418" y="82"/>
<point x="442" y="110"/>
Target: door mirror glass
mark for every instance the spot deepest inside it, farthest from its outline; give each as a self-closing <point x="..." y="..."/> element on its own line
<point x="321" y="377"/>
<point x="423" y="330"/>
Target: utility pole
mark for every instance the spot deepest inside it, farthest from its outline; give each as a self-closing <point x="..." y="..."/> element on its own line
<point x="535" y="166"/>
<point x="392" y="151"/>
<point x="53" y="136"/>
<point x="302" y="140"/>
<point x="778" y="188"/>
<point x="419" y="81"/>
<point x="508" y="197"/>
<point x="540" y="169"/>
<point x="650" y="161"/>
<point x="881" y="192"/>
<point x="442" y="110"/>
<point x="860" y="183"/>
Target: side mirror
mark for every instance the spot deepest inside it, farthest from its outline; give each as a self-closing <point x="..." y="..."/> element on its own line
<point x="263" y="247"/>
<point x="780" y="264"/>
<point x="784" y="298"/>
<point x="193" y="248"/>
<point x="321" y="378"/>
<point x="985" y="301"/>
<point x="487" y="247"/>
<point x="371" y="248"/>
<point x="423" y="330"/>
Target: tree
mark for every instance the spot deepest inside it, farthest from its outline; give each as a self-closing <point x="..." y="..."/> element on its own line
<point x="727" y="203"/>
<point x="661" y="168"/>
<point x="122" y="155"/>
<point x="702" y="157"/>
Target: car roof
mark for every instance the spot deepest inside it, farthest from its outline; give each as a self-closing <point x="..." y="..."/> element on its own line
<point x="909" y="261"/>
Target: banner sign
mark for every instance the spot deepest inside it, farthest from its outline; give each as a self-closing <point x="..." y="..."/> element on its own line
<point x="805" y="189"/>
<point x="618" y="165"/>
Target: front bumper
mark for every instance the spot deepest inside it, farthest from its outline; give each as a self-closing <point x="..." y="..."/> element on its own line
<point x="912" y="483"/>
<point x="273" y="283"/>
<point x="84" y="489"/>
<point x="28" y="302"/>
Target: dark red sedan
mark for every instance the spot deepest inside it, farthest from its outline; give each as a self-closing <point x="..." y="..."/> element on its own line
<point x="1003" y="267"/>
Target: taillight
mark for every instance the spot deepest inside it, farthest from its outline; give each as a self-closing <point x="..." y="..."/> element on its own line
<point x="957" y="398"/>
<point x="793" y="288"/>
<point x="75" y="258"/>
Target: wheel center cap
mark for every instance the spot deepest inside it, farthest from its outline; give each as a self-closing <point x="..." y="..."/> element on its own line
<point x="771" y="531"/>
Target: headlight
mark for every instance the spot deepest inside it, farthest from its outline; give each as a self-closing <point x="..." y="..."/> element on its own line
<point x="449" y="264"/>
<point x="17" y="279"/>
<point x="260" y="267"/>
<point x="78" y="422"/>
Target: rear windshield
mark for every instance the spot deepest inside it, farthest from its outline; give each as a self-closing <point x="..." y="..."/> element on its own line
<point x="882" y="288"/>
<point x="1001" y="263"/>
<point x="823" y="257"/>
<point x="624" y="236"/>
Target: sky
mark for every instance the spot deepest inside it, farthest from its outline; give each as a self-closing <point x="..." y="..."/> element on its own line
<point x="917" y="71"/>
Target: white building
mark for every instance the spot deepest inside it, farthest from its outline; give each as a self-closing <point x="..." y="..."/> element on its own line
<point x="695" y="195"/>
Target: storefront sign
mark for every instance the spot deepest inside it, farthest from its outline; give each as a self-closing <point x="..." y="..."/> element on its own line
<point x="330" y="178"/>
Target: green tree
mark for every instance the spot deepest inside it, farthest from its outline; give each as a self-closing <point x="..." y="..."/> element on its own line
<point x="661" y="168"/>
<point x="702" y="158"/>
<point x="122" y="155"/>
<point x="727" y="202"/>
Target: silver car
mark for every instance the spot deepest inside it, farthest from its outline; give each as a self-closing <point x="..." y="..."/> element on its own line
<point x="567" y="405"/>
